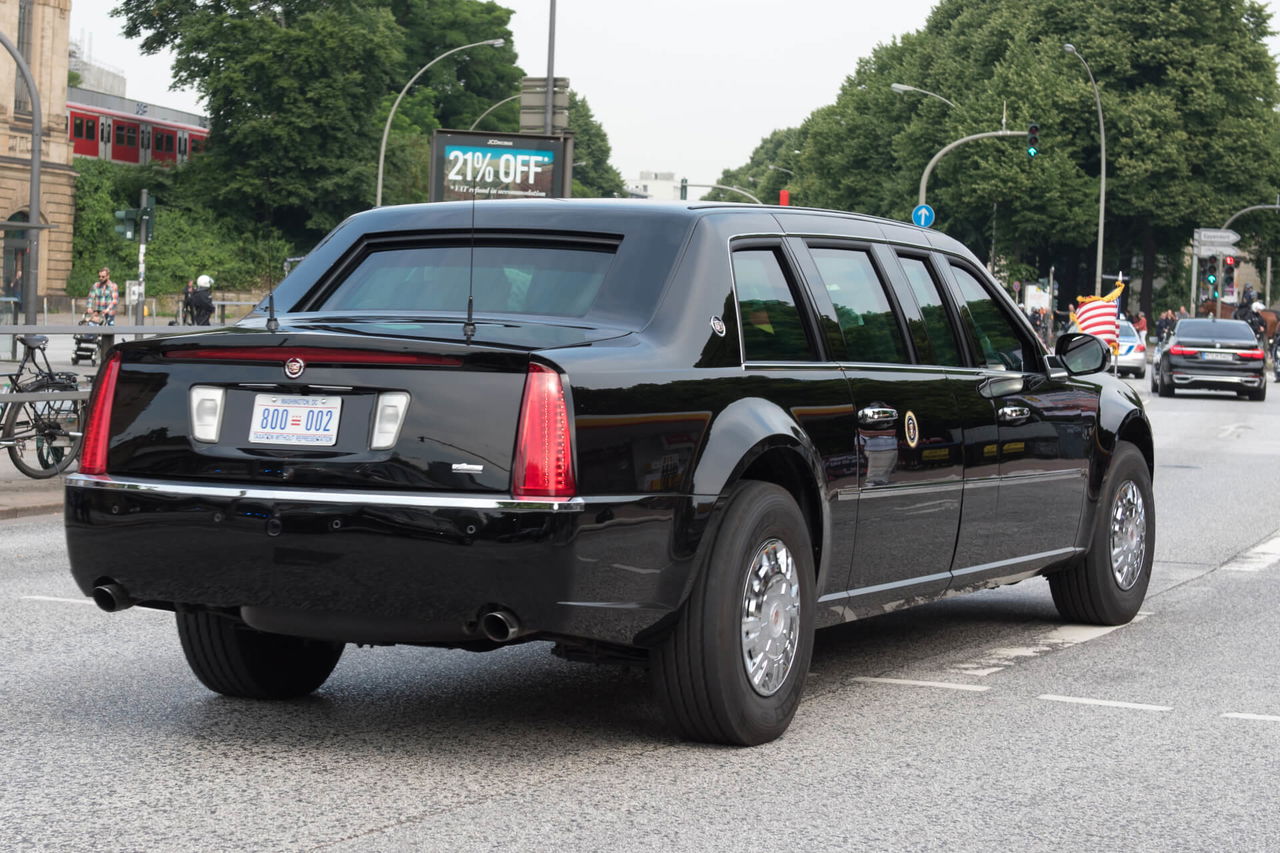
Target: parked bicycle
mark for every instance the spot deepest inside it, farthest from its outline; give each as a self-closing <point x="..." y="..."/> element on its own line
<point x="42" y="436"/>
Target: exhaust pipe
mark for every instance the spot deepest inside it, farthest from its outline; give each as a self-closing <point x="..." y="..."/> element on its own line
<point x="112" y="597"/>
<point x="500" y="626"/>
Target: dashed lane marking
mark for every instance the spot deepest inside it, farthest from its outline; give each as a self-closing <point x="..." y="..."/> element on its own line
<point x="1107" y="703"/>
<point x="1265" y="717"/>
<point x="975" y="688"/>
<point x="1257" y="558"/>
<point x="1062" y="637"/>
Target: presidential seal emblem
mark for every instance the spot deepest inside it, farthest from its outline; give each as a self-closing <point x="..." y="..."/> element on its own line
<point x="911" y="427"/>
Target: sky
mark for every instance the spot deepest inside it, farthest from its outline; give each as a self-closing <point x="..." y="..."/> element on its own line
<point x="683" y="86"/>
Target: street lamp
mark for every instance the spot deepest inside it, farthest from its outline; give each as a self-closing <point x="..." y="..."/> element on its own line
<point x="903" y="88"/>
<point x="780" y="169"/>
<point x="491" y="109"/>
<point x="1102" y="181"/>
<point x="382" y="149"/>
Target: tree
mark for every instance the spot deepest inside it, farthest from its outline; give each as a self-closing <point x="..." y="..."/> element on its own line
<point x="772" y="167"/>
<point x="593" y="175"/>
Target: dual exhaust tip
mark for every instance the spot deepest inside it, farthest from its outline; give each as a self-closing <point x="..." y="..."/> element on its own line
<point x="499" y="625"/>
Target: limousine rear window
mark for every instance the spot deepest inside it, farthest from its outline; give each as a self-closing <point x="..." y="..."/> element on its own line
<point x="503" y="279"/>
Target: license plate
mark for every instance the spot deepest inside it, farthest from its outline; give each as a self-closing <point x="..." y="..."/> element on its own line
<point x="300" y="421"/>
<point x="1217" y="356"/>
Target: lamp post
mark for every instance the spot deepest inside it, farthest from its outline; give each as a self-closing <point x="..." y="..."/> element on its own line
<point x="382" y="149"/>
<point x="1102" y="178"/>
<point x="491" y="109"/>
<point x="903" y="88"/>
<point x="780" y="169"/>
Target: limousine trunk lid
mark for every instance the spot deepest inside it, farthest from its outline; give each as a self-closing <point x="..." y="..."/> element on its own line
<point x="333" y="405"/>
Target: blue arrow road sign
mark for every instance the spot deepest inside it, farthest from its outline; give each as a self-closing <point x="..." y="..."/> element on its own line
<point x="923" y="215"/>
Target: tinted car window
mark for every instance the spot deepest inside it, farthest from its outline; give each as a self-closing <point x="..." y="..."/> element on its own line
<point x="772" y="329"/>
<point x="936" y="341"/>
<point x="1222" y="330"/>
<point x="999" y="343"/>
<point x="1127" y="332"/>
<point x="866" y="318"/>
<point x="504" y="279"/>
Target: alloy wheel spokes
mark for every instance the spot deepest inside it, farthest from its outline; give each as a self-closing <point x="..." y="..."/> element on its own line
<point x="1128" y="535"/>
<point x="770" y="621"/>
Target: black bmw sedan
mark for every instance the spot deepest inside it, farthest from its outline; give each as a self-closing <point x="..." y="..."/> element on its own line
<point x="1211" y="354"/>
<point x="686" y="435"/>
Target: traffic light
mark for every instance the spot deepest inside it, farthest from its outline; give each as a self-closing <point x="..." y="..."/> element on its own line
<point x="1211" y="271"/>
<point x="148" y="215"/>
<point x="127" y="227"/>
<point x="1033" y="139"/>
<point x="684" y="188"/>
<point x="1229" y="274"/>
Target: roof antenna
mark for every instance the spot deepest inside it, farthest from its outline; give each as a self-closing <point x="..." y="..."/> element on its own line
<point x="272" y="323"/>
<point x="469" y="327"/>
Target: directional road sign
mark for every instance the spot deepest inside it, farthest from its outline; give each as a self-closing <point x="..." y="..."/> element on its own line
<point x="1215" y="235"/>
<point x="1205" y="250"/>
<point x="923" y="215"/>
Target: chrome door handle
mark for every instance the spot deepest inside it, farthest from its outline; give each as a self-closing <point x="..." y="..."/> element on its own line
<point x="875" y="414"/>
<point x="1013" y="414"/>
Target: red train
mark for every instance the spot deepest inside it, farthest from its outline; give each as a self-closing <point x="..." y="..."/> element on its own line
<point x="113" y="128"/>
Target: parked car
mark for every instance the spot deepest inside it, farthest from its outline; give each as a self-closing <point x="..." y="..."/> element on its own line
<point x="1211" y="354"/>
<point x="1131" y="351"/>
<point x="684" y="435"/>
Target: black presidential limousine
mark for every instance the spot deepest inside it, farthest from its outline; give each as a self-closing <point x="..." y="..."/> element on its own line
<point x="682" y="433"/>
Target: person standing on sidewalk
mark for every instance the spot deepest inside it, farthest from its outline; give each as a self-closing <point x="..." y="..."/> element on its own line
<point x="104" y="296"/>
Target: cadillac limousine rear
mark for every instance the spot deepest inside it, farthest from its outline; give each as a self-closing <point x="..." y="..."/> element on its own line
<point x="359" y="489"/>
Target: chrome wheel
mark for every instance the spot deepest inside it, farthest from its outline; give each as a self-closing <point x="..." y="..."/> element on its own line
<point x="770" y="617"/>
<point x="1128" y="535"/>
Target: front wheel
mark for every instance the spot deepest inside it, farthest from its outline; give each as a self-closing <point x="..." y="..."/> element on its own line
<point x="1108" y="585"/>
<point x="734" y="667"/>
<point x="233" y="659"/>
<point x="43" y="436"/>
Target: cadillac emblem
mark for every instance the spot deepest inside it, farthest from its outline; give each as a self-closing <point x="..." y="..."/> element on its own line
<point x="293" y="367"/>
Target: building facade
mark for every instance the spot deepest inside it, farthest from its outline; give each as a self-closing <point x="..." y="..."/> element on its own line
<point x="39" y="29"/>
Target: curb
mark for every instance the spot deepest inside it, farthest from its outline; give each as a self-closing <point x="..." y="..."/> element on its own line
<point x="30" y="509"/>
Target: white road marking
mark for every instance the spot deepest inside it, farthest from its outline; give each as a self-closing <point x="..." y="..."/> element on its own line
<point x="1104" y="702"/>
<point x="976" y="688"/>
<point x="62" y="600"/>
<point x="1256" y="559"/>
<point x="1267" y="717"/>
<point x="1232" y="430"/>
<point x="1062" y="637"/>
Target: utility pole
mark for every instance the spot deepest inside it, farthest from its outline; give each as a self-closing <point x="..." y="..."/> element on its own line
<point x="145" y="213"/>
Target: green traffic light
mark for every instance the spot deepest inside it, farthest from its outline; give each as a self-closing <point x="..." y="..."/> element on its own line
<point x="1032" y="151"/>
<point x="1211" y="278"/>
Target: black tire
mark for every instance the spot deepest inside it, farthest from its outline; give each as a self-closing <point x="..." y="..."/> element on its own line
<point x="43" y="436"/>
<point x="1140" y="372"/>
<point x="1155" y="386"/>
<point x="233" y="659"/>
<point x="700" y="670"/>
<point x="1259" y="394"/>
<point x="1166" y="388"/>
<point x="1089" y="590"/>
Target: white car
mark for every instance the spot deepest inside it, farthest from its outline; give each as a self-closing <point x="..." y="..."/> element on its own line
<point x="1131" y="357"/>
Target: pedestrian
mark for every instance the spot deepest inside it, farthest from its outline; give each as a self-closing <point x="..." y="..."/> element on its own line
<point x="1182" y="312"/>
<point x="202" y="301"/>
<point x="1140" y="326"/>
<point x="14" y="291"/>
<point x="104" y="296"/>
<point x="188" y="306"/>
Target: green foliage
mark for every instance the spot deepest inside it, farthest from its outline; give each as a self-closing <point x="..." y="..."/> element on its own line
<point x="190" y="239"/>
<point x="73" y="78"/>
<point x="593" y="175"/>
<point x="1189" y="97"/>
<point x="773" y="167"/>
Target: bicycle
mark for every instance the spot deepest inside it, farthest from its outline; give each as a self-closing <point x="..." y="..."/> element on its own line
<point x="42" y="436"/>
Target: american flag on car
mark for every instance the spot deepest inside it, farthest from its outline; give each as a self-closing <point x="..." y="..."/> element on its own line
<point x="1099" y="317"/>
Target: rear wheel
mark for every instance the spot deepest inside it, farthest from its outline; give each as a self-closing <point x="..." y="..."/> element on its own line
<point x="43" y="436"/>
<point x="1108" y="585"/>
<point x="1259" y="394"/>
<point x="733" y="669"/>
<point x="233" y="659"/>
<point x="1166" y="386"/>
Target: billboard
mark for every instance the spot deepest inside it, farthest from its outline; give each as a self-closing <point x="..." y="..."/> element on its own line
<point x="467" y="165"/>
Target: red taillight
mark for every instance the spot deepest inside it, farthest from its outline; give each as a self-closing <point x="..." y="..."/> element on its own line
<point x="1141" y="347"/>
<point x="1253" y="354"/>
<point x="311" y="355"/>
<point x="543" y="465"/>
<point x="1181" y="350"/>
<point x="93" y="453"/>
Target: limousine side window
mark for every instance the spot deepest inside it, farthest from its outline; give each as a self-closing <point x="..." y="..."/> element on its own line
<point x="935" y="335"/>
<point x="871" y="331"/>
<point x="772" y="328"/>
<point x="999" y="344"/>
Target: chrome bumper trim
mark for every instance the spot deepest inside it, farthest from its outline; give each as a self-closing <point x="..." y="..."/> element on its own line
<point x="1225" y="379"/>
<point x="415" y="500"/>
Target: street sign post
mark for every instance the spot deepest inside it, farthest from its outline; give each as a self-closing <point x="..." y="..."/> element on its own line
<point x="923" y="215"/>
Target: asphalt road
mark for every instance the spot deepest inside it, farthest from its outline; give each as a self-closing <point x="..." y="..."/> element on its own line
<point x="972" y="723"/>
